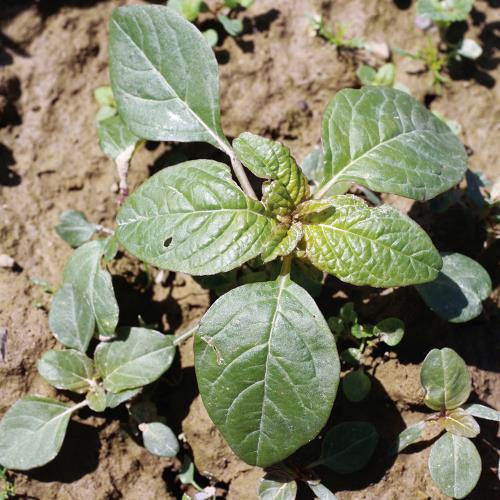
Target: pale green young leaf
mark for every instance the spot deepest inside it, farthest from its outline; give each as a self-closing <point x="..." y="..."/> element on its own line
<point x="356" y="385"/>
<point x="457" y="293"/>
<point x="233" y="27"/>
<point x="390" y="330"/>
<point x="159" y="439"/>
<point x="74" y="228"/>
<point x="351" y="356"/>
<point x="115" y="399"/>
<point x="93" y="284"/>
<point x="71" y="318"/>
<point x="209" y="224"/>
<point x="70" y="370"/>
<point x="117" y="142"/>
<point x="189" y="9"/>
<point x="407" y="437"/>
<point x="32" y="432"/>
<point x="246" y="4"/>
<point x="460" y="423"/>
<point x="269" y="489"/>
<point x="137" y="357"/>
<point x="164" y="76"/>
<point x="211" y="36"/>
<point x="261" y="351"/>
<point x="272" y="160"/>
<point x="444" y="11"/>
<point x="96" y="399"/>
<point x="445" y="378"/>
<point x="385" y="140"/>
<point x="104" y="96"/>
<point x="366" y="75"/>
<point x="321" y="491"/>
<point x="347" y="447"/>
<point x="378" y="246"/>
<point x="455" y="465"/>
<point x="283" y="241"/>
<point x="481" y="411"/>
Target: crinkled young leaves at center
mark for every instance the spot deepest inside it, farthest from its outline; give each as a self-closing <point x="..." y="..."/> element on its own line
<point x="267" y="369"/>
<point x="193" y="218"/>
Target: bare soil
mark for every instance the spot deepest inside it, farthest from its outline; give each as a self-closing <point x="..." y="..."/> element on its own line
<point x="275" y="80"/>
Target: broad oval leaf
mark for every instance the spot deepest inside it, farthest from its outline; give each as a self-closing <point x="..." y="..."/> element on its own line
<point x="482" y="411"/>
<point x="164" y="76"/>
<point x="378" y="246"/>
<point x="390" y="330"/>
<point x="70" y="370"/>
<point x="32" y="432"/>
<point x="159" y="439"/>
<point x="115" y="399"/>
<point x="210" y="225"/>
<point x="407" y="437"/>
<point x="261" y="351"/>
<point x="348" y="446"/>
<point x="96" y="399"/>
<point x="457" y="293"/>
<point x="445" y="378"/>
<point x="71" y="319"/>
<point x="382" y="138"/>
<point x="137" y="357"/>
<point x="455" y="465"/>
<point x="270" y="489"/>
<point x="356" y="385"/>
<point x="74" y="228"/>
<point x="93" y="285"/>
<point x="460" y="423"/>
<point x="272" y="160"/>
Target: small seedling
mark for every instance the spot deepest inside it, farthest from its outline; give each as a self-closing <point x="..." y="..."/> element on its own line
<point x="384" y="76"/>
<point x="337" y="38"/>
<point x="191" y="9"/>
<point x="7" y="488"/>
<point x="454" y="462"/>
<point x="345" y="327"/>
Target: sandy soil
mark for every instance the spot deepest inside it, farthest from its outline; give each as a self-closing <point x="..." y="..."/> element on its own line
<point x="276" y="81"/>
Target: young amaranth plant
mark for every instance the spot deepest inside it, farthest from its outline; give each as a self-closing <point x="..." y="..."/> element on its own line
<point x="454" y="462"/>
<point x="263" y="348"/>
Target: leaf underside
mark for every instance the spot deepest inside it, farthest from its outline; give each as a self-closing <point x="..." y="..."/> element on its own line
<point x="164" y="76"/>
<point x="115" y="138"/>
<point x="193" y="218"/>
<point x="261" y="351"/>
<point x="378" y="246"/>
<point x="384" y="139"/>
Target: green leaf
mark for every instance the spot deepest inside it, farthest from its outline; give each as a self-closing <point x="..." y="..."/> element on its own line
<point x="159" y="439"/>
<point x="164" y="76"/>
<point x="189" y="9"/>
<point x="74" y="228"/>
<point x="455" y="465"/>
<point x="233" y="27"/>
<point x="32" y="432"/>
<point x="261" y="351"/>
<point x="445" y="378"/>
<point x="186" y="475"/>
<point x="246" y="4"/>
<point x="137" y="357"/>
<point x="277" y="490"/>
<point x="70" y="370"/>
<point x="356" y="385"/>
<point x="445" y="11"/>
<point x="386" y="75"/>
<point x="348" y="446"/>
<point x="104" y="96"/>
<point x="351" y="356"/>
<point x="385" y="140"/>
<point x="460" y="423"/>
<point x="283" y="241"/>
<point x="457" y="293"/>
<point x="272" y="160"/>
<point x="307" y="276"/>
<point x="362" y="331"/>
<point x="407" y="437"/>
<point x="96" y="399"/>
<point x="116" y="141"/>
<point x="390" y="330"/>
<point x="482" y="411"/>
<point x="206" y="219"/>
<point x="321" y="491"/>
<point x="371" y="246"/>
<point x="93" y="284"/>
<point x="115" y="399"/>
<point x="348" y="313"/>
<point x="211" y="36"/>
<point x="71" y="319"/>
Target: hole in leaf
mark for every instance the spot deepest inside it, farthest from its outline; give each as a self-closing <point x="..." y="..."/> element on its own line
<point x="167" y="242"/>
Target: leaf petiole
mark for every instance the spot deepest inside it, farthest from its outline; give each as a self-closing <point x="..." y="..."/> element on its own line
<point x="184" y="336"/>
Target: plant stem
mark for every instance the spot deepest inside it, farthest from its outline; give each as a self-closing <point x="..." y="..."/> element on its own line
<point x="286" y="266"/>
<point x="242" y="176"/>
<point x="184" y="336"/>
<point x="79" y="405"/>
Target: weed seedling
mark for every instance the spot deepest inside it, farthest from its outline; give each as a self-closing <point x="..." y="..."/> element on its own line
<point x="7" y="488"/>
<point x="454" y="462"/>
<point x="337" y="38"/>
<point x="266" y="361"/>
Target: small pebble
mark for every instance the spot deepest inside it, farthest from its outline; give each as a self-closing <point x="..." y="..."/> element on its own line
<point x="6" y="261"/>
